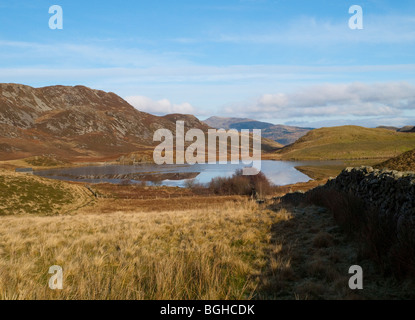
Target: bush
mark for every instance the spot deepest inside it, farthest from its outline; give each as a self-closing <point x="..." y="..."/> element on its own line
<point x="126" y="182"/>
<point x="256" y="185"/>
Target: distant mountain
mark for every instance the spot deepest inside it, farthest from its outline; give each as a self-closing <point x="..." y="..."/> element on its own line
<point x="403" y="129"/>
<point x="225" y="123"/>
<point x="348" y="142"/>
<point x="403" y="162"/>
<point x="282" y="134"/>
<point x="388" y="128"/>
<point x="407" y="129"/>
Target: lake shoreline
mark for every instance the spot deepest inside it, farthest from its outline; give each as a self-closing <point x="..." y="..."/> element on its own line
<point x="278" y="173"/>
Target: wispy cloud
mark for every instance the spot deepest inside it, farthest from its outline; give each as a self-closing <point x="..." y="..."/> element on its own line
<point x="305" y="31"/>
<point x="84" y="55"/>
<point x="170" y="73"/>
<point x="395" y="121"/>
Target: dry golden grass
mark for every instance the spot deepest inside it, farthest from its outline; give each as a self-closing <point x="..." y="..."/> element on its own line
<point x="175" y="246"/>
<point x="194" y="254"/>
<point x="161" y="204"/>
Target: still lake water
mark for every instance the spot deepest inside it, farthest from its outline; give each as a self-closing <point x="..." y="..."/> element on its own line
<point x="278" y="172"/>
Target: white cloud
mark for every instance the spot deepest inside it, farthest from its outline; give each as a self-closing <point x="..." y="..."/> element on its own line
<point x="331" y="100"/>
<point x="397" y="122"/>
<point x="160" y="107"/>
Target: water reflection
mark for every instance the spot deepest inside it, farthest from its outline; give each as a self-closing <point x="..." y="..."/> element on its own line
<point x="278" y="172"/>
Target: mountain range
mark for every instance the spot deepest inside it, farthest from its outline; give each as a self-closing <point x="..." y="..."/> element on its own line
<point x="403" y="129"/>
<point x="80" y="124"/>
<point x="282" y="134"/>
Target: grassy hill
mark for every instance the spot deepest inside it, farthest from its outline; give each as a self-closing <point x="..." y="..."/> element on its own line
<point x="28" y="194"/>
<point x="348" y="142"/>
<point x="404" y="162"/>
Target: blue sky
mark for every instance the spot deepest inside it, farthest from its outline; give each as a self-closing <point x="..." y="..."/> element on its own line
<point x="283" y="61"/>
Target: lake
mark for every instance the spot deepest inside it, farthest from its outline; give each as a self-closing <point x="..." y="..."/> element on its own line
<point x="278" y="172"/>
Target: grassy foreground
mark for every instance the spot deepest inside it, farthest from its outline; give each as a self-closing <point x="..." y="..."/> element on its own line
<point x="195" y="254"/>
<point x="178" y="246"/>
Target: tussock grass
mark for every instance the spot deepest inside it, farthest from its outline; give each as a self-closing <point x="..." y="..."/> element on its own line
<point x="194" y="254"/>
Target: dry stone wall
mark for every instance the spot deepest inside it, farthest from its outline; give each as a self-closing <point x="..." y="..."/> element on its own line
<point x="391" y="192"/>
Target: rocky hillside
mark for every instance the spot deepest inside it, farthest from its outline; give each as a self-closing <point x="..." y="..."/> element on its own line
<point x="284" y="135"/>
<point x="81" y="124"/>
<point x="74" y="122"/>
<point x="407" y="129"/>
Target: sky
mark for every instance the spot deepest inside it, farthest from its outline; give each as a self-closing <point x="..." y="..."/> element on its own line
<point x="282" y="61"/>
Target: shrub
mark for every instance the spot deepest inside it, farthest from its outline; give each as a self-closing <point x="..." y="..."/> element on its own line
<point x="238" y="184"/>
<point x="197" y="188"/>
<point x="126" y="182"/>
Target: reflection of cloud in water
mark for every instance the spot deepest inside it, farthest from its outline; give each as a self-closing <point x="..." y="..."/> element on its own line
<point x="278" y="172"/>
<point x="286" y="177"/>
<point x="207" y="176"/>
<point x="283" y="173"/>
<point x="174" y="183"/>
